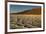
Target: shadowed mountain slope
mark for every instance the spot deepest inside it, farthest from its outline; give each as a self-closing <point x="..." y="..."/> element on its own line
<point x="33" y="11"/>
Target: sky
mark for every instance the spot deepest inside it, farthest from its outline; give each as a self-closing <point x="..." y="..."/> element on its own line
<point x="20" y="8"/>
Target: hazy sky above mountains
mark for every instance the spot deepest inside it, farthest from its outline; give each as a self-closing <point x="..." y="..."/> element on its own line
<point x="20" y="8"/>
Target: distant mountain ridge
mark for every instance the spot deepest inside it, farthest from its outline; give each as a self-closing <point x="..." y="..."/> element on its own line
<point x="33" y="11"/>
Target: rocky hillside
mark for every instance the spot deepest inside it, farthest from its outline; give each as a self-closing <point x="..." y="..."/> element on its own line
<point x="33" y="11"/>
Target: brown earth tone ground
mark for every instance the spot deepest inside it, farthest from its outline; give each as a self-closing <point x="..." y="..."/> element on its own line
<point x="25" y="21"/>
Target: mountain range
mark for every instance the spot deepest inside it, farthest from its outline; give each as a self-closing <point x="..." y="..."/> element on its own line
<point x="33" y="11"/>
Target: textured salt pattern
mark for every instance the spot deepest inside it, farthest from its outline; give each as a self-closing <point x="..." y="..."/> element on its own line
<point x="25" y="21"/>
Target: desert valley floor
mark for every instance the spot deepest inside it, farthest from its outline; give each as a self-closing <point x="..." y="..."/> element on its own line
<point x="25" y="21"/>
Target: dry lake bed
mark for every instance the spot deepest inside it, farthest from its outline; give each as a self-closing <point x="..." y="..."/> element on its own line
<point x="25" y="21"/>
